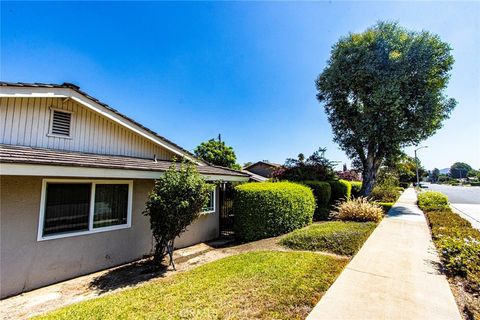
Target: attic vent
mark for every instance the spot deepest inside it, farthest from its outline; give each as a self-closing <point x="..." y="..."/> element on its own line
<point x="61" y="123"/>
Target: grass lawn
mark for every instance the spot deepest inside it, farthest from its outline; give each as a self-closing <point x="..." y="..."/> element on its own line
<point x="260" y="285"/>
<point x="344" y="238"/>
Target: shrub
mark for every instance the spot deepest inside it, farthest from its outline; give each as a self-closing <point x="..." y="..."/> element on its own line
<point x="356" y="186"/>
<point x="445" y="223"/>
<point x="432" y="200"/>
<point x="359" y="209"/>
<point x="475" y="184"/>
<point x="174" y="203"/>
<point x="322" y="193"/>
<point x="385" y="193"/>
<point x="461" y="257"/>
<point x="386" y="206"/>
<point x="338" y="237"/>
<point x="457" y="242"/>
<point x="322" y="213"/>
<point x="341" y="190"/>
<point x="269" y="209"/>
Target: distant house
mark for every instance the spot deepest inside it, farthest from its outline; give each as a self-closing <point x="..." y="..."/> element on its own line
<point x="75" y="174"/>
<point x="262" y="168"/>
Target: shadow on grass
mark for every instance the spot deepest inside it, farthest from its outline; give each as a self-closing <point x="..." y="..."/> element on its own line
<point x="127" y="276"/>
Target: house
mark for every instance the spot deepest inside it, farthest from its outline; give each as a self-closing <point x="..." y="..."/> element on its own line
<point x="75" y="175"/>
<point x="262" y="168"/>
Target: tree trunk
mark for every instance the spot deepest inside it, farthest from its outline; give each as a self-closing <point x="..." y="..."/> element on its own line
<point x="370" y="169"/>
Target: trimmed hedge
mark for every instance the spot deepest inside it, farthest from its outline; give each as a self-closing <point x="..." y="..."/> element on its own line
<point x="270" y="209"/>
<point x="341" y="190"/>
<point x="432" y="200"/>
<point x="322" y="193"/>
<point x="356" y="186"/>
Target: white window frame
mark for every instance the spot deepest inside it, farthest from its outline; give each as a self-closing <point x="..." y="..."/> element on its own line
<point x="50" y="134"/>
<point x="91" y="229"/>
<point x="214" y="192"/>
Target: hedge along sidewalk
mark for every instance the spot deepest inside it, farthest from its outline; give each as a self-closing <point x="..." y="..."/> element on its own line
<point x="394" y="275"/>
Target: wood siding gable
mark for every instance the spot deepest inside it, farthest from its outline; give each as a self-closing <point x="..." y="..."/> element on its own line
<point x="26" y="122"/>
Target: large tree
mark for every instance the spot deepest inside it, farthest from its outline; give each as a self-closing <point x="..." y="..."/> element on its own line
<point x="218" y="153"/>
<point x="459" y="170"/>
<point x="383" y="90"/>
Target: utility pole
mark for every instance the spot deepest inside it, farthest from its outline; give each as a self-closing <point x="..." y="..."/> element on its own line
<point x="416" y="164"/>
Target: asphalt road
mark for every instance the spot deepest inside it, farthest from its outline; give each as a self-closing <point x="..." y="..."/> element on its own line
<point x="457" y="194"/>
<point x="464" y="200"/>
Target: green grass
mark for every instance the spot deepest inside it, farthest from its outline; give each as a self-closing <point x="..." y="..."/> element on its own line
<point x="386" y="206"/>
<point x="255" y="285"/>
<point x="344" y="238"/>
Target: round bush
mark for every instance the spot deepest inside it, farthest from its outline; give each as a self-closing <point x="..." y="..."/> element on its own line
<point x="270" y="209"/>
<point x="432" y="200"/>
<point x="341" y="190"/>
<point x="356" y="186"/>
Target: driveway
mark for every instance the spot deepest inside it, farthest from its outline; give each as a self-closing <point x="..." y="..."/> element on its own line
<point x="464" y="200"/>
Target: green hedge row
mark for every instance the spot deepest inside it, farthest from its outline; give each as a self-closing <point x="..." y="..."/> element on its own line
<point x="456" y="240"/>
<point x="270" y="209"/>
<point x="341" y="190"/>
<point x="322" y="193"/>
<point x="475" y="184"/>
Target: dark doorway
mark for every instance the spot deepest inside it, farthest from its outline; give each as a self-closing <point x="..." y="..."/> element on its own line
<point x="226" y="210"/>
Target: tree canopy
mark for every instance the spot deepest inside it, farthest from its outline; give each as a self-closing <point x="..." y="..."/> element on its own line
<point x="315" y="167"/>
<point x="218" y="153"/>
<point x="459" y="170"/>
<point x="383" y="90"/>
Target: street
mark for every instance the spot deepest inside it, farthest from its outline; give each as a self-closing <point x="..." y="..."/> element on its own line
<point x="464" y="200"/>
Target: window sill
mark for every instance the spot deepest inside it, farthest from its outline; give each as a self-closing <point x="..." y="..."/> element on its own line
<point x="82" y="233"/>
<point x="51" y="135"/>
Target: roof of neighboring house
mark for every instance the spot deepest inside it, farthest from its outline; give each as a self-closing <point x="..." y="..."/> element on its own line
<point x="255" y="177"/>
<point x="76" y="88"/>
<point x="275" y="165"/>
<point x="42" y="156"/>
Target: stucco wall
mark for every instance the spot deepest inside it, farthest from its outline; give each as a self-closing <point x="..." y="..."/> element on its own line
<point x="26" y="263"/>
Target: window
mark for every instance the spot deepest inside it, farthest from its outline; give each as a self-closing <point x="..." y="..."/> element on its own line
<point x="60" y="124"/>
<point x="210" y="207"/>
<point x="74" y="207"/>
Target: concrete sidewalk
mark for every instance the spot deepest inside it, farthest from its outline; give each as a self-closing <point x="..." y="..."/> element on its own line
<point x="394" y="276"/>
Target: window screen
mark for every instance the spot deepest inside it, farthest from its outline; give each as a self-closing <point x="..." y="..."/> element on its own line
<point x="67" y="208"/>
<point x="111" y="205"/>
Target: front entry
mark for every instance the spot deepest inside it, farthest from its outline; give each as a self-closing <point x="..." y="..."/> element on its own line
<point x="226" y="211"/>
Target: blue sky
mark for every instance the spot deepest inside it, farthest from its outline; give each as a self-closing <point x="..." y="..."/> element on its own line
<point x="246" y="70"/>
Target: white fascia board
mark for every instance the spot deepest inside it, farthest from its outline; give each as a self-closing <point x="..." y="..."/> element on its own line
<point x="43" y="92"/>
<point x="18" y="169"/>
